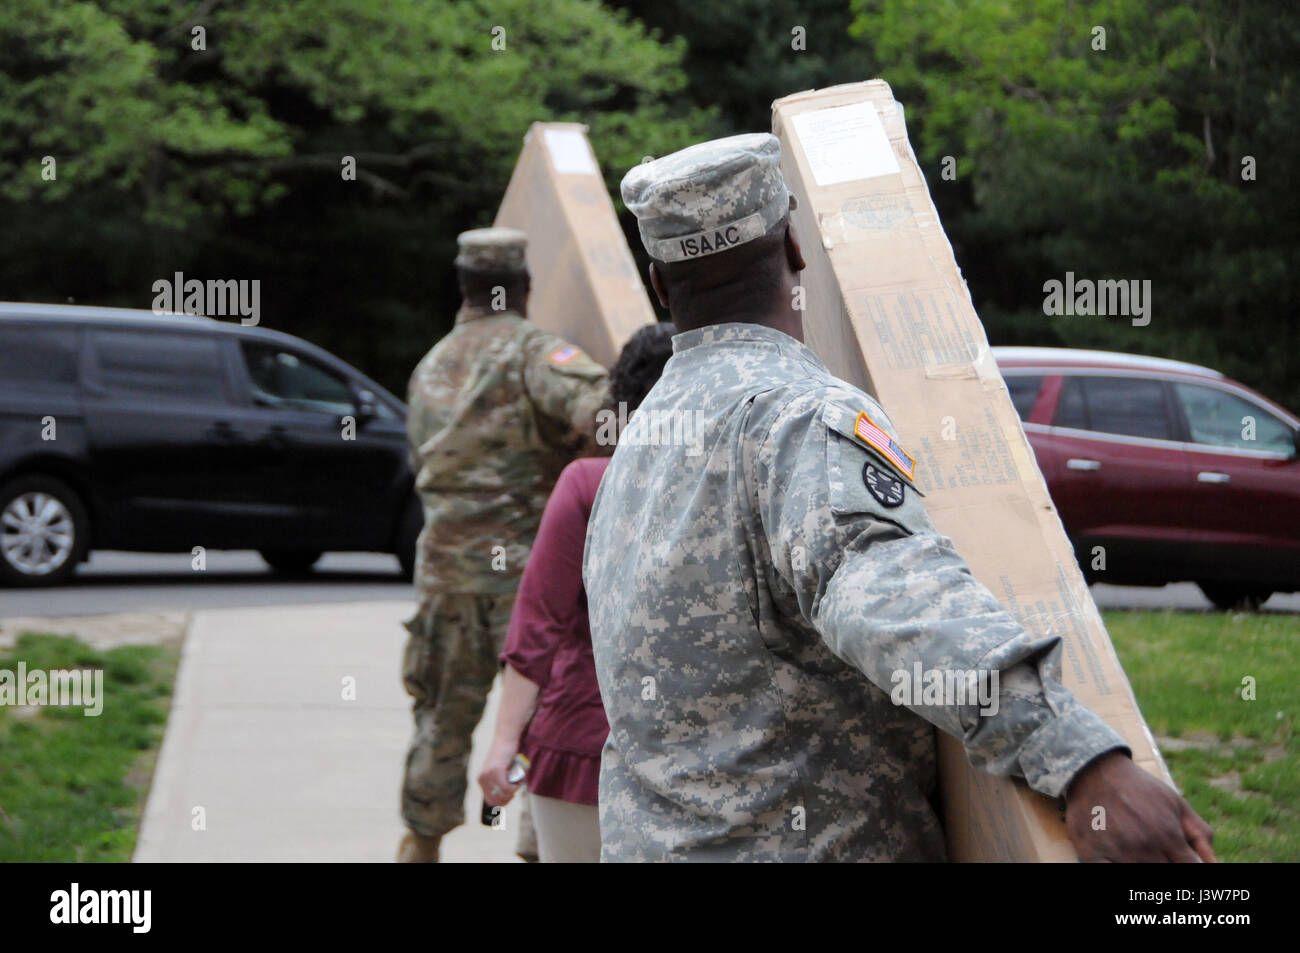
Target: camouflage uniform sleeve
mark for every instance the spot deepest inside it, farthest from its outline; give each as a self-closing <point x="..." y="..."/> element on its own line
<point x="886" y="591"/>
<point x="567" y="388"/>
<point x="418" y="404"/>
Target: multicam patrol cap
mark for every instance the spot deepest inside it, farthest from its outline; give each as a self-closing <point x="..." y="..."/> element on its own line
<point x="492" y="249"/>
<point x="708" y="197"/>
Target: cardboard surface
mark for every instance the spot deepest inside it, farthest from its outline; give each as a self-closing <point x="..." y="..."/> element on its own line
<point x="888" y="310"/>
<point x="585" y="285"/>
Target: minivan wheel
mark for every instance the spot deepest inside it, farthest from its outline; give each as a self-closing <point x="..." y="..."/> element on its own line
<point x="291" y="562"/>
<point x="1235" y="597"/>
<point x="44" y="531"/>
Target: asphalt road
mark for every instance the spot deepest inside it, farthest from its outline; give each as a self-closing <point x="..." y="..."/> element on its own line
<point x="124" y="582"/>
<point x="1181" y="595"/>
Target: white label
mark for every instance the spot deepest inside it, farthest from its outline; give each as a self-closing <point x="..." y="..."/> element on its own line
<point x="845" y="143"/>
<point x="569" y="152"/>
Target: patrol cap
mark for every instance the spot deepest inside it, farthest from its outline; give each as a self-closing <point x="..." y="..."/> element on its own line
<point x="491" y="249"/>
<point x="708" y="197"/>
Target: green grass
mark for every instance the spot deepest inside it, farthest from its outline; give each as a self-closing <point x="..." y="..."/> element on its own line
<point x="73" y="788"/>
<point x="1240" y="760"/>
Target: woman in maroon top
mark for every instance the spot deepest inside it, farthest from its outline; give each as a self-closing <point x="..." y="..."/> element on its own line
<point x="549" y="670"/>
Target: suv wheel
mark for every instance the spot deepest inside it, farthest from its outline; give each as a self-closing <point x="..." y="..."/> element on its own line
<point x="43" y="531"/>
<point x="1235" y="597"/>
<point x="291" y="562"/>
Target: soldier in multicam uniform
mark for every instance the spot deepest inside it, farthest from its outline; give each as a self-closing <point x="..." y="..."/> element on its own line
<point x="753" y="593"/>
<point x="497" y="409"/>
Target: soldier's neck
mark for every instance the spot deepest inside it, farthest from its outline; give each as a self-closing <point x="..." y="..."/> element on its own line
<point x="779" y="319"/>
<point x="787" y="320"/>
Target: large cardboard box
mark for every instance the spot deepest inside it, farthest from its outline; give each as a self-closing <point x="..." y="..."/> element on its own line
<point x="887" y="309"/>
<point x="585" y="285"/>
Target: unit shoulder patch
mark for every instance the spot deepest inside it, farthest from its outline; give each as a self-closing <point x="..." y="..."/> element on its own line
<point x="888" y="490"/>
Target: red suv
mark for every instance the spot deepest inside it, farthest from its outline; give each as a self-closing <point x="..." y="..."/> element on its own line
<point x="1164" y="471"/>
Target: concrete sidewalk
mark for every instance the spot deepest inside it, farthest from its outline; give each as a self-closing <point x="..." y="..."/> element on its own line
<point x="283" y="767"/>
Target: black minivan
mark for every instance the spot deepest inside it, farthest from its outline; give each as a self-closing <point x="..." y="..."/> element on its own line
<point x="129" y="430"/>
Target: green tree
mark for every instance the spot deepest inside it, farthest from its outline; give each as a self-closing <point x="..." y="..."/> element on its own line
<point x="743" y="54"/>
<point x="210" y="137"/>
<point x="1117" y="161"/>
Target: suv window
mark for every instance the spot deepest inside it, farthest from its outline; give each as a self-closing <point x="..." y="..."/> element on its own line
<point x="161" y="364"/>
<point x="39" y="356"/>
<point x="1071" y="411"/>
<point x="1024" y="390"/>
<point x="1127" y="406"/>
<point x="1220" y="419"/>
<point x="282" y="378"/>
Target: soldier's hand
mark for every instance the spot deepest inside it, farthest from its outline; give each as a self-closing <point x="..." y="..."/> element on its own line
<point x="1142" y="819"/>
<point x="497" y="791"/>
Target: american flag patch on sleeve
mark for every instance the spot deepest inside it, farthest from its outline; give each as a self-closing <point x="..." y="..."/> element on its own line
<point x="562" y="355"/>
<point x="866" y="431"/>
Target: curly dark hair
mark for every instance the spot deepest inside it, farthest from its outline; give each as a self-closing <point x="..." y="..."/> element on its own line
<point x="640" y="363"/>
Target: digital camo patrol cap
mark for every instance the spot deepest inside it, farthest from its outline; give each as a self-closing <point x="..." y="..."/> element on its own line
<point x="491" y="249"/>
<point x="708" y="197"/>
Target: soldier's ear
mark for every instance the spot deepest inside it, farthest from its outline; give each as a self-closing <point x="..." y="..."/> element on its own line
<point x="657" y="282"/>
<point x="793" y="253"/>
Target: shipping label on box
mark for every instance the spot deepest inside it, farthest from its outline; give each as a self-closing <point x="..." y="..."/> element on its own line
<point x="887" y="310"/>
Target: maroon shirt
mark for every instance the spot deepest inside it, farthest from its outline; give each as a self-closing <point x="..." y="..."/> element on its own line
<point x="549" y="643"/>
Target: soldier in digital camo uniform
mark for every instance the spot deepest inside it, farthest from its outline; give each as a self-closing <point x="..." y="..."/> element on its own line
<point x="497" y="409"/>
<point x="753" y="590"/>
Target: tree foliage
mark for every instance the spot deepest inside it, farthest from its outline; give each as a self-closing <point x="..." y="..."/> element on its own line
<point x="743" y="54"/>
<point x="1118" y="162"/>
<point x="210" y="137"/>
<point x="225" y="161"/>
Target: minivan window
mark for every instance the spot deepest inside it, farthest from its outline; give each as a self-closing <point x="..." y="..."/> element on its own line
<point x="1126" y="406"/>
<point x="160" y="364"/>
<point x="40" y="356"/>
<point x="1024" y="390"/>
<point x="282" y="378"/>
<point x="1220" y="419"/>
